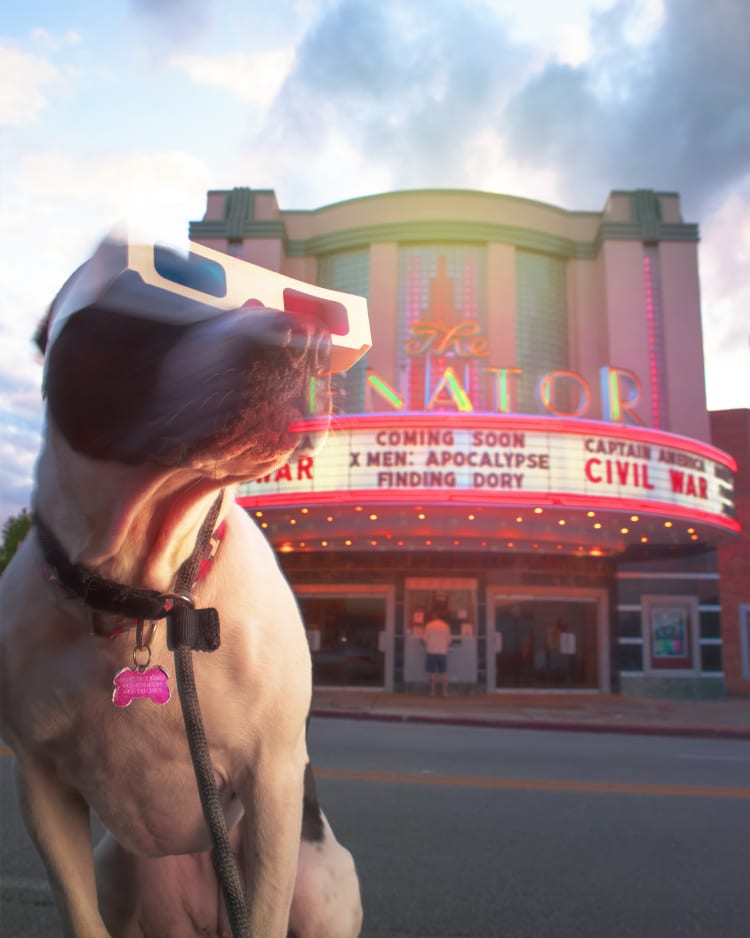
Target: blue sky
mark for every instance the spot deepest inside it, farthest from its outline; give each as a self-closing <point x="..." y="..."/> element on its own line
<point x="130" y="110"/>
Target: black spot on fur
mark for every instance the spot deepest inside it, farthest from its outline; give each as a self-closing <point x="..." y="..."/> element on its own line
<point x="100" y="379"/>
<point x="312" y="819"/>
<point x="42" y="333"/>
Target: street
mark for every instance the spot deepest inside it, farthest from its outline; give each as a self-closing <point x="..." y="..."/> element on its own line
<point x="463" y="832"/>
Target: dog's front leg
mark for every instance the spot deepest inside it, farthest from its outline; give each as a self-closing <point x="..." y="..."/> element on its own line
<point x="57" y="819"/>
<point x="270" y="845"/>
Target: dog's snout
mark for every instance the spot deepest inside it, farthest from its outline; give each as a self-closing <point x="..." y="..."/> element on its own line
<point x="297" y="332"/>
<point x="322" y="358"/>
<point x="302" y="336"/>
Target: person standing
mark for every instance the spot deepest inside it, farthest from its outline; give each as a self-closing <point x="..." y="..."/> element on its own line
<point x="437" y="639"/>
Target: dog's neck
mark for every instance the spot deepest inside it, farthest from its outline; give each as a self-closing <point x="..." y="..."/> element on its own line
<point x="131" y="524"/>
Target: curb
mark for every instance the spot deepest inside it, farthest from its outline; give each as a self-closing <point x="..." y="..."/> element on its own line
<point x="629" y="729"/>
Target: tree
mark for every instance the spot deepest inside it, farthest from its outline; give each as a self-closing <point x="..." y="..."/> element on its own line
<point x="15" y="530"/>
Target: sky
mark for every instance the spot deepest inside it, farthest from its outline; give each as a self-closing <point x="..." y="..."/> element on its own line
<point x="131" y="110"/>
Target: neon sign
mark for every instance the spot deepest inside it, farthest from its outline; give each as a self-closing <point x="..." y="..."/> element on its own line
<point x="446" y="367"/>
<point x="620" y="392"/>
<point x="464" y="339"/>
<point x="508" y="460"/>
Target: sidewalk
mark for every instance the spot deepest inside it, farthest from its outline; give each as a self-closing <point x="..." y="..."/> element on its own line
<point x="602" y="713"/>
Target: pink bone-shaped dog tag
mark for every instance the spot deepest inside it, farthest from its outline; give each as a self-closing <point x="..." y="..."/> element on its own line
<point x="131" y="683"/>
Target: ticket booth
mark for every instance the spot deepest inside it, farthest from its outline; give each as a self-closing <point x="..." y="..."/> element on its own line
<point x="455" y="601"/>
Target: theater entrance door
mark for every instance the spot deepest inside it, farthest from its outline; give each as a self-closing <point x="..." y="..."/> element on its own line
<point x="350" y="631"/>
<point x="548" y="640"/>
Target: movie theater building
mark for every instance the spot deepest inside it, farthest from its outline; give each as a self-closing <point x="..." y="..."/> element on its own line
<point x="525" y="448"/>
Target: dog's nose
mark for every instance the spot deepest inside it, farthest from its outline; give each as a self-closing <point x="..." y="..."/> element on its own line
<point x="294" y="333"/>
<point x="301" y="335"/>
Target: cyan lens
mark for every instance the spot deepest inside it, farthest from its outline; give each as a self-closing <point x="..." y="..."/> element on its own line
<point x="194" y="271"/>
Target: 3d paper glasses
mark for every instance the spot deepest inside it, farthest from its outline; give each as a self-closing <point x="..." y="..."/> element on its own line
<point x="157" y="282"/>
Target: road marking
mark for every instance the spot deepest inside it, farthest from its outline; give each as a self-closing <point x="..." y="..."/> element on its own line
<point x="699" y="758"/>
<point x="522" y="784"/>
<point x="533" y="784"/>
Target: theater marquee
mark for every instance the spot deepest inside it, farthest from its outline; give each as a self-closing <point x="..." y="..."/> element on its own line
<point x="507" y="460"/>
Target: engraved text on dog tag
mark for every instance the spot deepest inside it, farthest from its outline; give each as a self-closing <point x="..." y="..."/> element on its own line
<point x="131" y="683"/>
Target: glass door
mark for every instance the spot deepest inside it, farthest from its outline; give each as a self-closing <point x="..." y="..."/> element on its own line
<point x="545" y="642"/>
<point x="348" y="634"/>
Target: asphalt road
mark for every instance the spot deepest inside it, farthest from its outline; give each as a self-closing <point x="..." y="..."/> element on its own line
<point x="465" y="833"/>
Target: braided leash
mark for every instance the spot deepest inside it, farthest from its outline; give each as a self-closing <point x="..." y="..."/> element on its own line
<point x="223" y="859"/>
<point x="188" y="629"/>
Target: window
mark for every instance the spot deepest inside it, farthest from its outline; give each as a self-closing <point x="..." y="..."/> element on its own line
<point x="670" y="627"/>
<point x="745" y="640"/>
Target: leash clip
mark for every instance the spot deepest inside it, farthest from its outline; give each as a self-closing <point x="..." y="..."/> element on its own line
<point x="177" y="598"/>
<point x="188" y="627"/>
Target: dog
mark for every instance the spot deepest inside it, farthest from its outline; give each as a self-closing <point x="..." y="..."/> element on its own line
<point x="160" y="400"/>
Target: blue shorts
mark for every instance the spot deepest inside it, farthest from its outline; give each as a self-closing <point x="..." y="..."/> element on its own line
<point x="436" y="664"/>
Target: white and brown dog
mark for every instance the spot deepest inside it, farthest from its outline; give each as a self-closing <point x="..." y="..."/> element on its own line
<point x="169" y="379"/>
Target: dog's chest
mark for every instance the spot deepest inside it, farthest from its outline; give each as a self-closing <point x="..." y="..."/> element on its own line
<point x="131" y="764"/>
<point x="133" y="767"/>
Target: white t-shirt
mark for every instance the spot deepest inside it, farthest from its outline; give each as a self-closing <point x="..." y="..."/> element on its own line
<point x="437" y="637"/>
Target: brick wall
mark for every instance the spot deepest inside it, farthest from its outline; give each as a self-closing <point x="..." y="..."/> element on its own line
<point x="730" y="431"/>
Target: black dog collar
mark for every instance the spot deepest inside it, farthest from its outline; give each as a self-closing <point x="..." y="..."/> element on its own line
<point x="186" y="626"/>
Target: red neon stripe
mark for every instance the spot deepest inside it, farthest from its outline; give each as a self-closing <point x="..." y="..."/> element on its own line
<point x="515" y="500"/>
<point x="551" y="425"/>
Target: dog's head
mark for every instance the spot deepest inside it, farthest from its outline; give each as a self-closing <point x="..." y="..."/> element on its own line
<point x="201" y="361"/>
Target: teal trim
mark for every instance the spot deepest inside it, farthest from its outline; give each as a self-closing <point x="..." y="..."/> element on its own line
<point x="647" y="213"/>
<point x="633" y="231"/>
<point x="239" y="205"/>
<point x="250" y="229"/>
<point x="453" y="232"/>
<point x="674" y="688"/>
<point x="646" y="226"/>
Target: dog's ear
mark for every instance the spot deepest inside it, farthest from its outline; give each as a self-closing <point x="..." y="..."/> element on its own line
<point x="42" y="332"/>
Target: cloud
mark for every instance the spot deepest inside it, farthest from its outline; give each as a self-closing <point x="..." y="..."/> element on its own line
<point x="22" y="91"/>
<point x="407" y="91"/>
<point x="666" y="112"/>
<point x="176" y="20"/>
<point x="20" y="421"/>
<point x="55" y="209"/>
<point x="725" y="289"/>
<point x="251" y="77"/>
